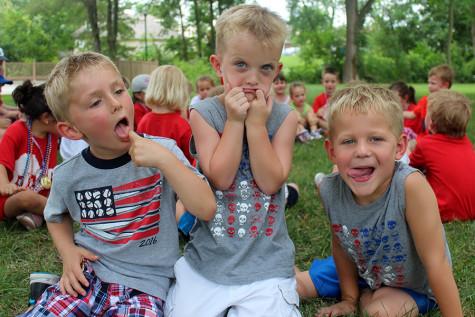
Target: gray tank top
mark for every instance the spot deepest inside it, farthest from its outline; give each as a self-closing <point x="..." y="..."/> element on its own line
<point x="247" y="240"/>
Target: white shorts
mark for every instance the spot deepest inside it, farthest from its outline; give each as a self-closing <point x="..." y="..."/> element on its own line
<point x="194" y="295"/>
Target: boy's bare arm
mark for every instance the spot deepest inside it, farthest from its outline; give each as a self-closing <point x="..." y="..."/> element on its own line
<point x="348" y="277"/>
<point x="7" y="188"/>
<point x="193" y="191"/>
<point x="423" y="218"/>
<point x="409" y="114"/>
<point x="73" y="280"/>
<point x="270" y="162"/>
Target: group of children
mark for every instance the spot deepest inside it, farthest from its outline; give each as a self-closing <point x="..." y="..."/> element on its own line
<point x="390" y="256"/>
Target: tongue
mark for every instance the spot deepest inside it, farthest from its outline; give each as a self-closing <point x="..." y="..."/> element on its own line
<point x="360" y="174"/>
<point x="122" y="131"/>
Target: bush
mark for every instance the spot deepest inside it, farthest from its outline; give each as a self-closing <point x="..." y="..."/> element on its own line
<point x="195" y="68"/>
<point x="307" y="72"/>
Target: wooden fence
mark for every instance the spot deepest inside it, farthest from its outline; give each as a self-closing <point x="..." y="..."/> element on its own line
<point x="40" y="70"/>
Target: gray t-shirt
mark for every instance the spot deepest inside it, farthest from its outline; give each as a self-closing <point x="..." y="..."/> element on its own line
<point x="376" y="236"/>
<point x="247" y="240"/>
<point x="126" y="215"/>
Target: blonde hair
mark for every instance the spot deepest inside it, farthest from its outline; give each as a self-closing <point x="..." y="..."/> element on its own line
<point x="362" y="99"/>
<point x="294" y="85"/>
<point x="449" y="112"/>
<point x="58" y="89"/>
<point x="268" y="27"/>
<point x="168" y="87"/>
<point x="444" y="72"/>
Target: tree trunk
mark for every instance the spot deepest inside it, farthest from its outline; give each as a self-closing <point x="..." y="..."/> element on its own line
<point x="212" y="38"/>
<point x="112" y="29"/>
<point x="351" y="31"/>
<point x="199" y="36"/>
<point x="450" y="32"/>
<point x="184" y="46"/>
<point x="91" y="7"/>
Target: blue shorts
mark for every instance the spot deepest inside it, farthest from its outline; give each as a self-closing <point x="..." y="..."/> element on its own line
<point x="325" y="279"/>
<point x="186" y="223"/>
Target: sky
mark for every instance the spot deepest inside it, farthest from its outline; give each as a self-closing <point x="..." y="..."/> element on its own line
<point x="278" y="6"/>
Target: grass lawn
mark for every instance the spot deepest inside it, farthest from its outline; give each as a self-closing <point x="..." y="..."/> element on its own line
<point x="24" y="252"/>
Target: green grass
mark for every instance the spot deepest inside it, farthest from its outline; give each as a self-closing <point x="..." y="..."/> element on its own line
<point x="24" y="252"/>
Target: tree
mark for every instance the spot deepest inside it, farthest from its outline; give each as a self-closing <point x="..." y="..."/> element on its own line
<point x="91" y="8"/>
<point x="354" y="23"/>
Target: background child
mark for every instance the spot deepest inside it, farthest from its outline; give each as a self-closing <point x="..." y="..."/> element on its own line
<point x="440" y="77"/>
<point x="386" y="230"/>
<point x="28" y="155"/>
<point x="139" y="86"/>
<point x="166" y="95"/>
<point x="7" y="116"/>
<point x="407" y="97"/>
<point x="121" y="260"/>
<point x="279" y="87"/>
<point x="329" y="81"/>
<point x="307" y="120"/>
<point x="203" y="85"/>
<point x="446" y="155"/>
<point x="241" y="262"/>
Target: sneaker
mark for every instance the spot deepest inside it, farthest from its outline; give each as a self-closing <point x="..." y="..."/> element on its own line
<point x="316" y="135"/>
<point x="292" y="194"/>
<point x="304" y="136"/>
<point x="39" y="282"/>
<point x="30" y="221"/>
<point x="318" y="178"/>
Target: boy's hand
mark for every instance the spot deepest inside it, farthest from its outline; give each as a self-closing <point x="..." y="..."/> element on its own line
<point x="340" y="309"/>
<point x="10" y="189"/>
<point x="260" y="109"/>
<point x="235" y="103"/>
<point x="73" y="279"/>
<point x="143" y="151"/>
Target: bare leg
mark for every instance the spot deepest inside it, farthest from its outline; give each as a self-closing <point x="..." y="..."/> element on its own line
<point x="305" y="286"/>
<point x="388" y="302"/>
<point x="25" y="201"/>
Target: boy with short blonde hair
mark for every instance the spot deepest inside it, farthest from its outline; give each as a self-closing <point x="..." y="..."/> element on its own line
<point x="320" y="104"/>
<point x="446" y="154"/>
<point x="121" y="190"/>
<point x="388" y="242"/>
<point x="241" y="262"/>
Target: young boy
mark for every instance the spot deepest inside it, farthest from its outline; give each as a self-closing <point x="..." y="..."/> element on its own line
<point x="440" y="77"/>
<point x="279" y="87"/>
<point x="329" y="82"/>
<point x="388" y="241"/>
<point x="139" y="87"/>
<point x="203" y="85"/>
<point x="241" y="262"/>
<point x="307" y="120"/>
<point x="122" y="192"/>
<point x="446" y="154"/>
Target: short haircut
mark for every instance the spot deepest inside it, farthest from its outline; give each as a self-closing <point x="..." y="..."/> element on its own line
<point x="362" y="99"/>
<point x="168" y="87"/>
<point x="57" y="89"/>
<point x="449" y="111"/>
<point x="294" y="85"/>
<point x="268" y="27"/>
<point x="330" y="70"/>
<point x="404" y="91"/>
<point x="205" y="78"/>
<point x="444" y="72"/>
<point x="30" y="99"/>
<point x="280" y="77"/>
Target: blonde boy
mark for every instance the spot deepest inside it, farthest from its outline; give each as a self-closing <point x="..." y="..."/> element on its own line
<point x="121" y="190"/>
<point x="241" y="262"/>
<point x="386" y="230"/>
<point x="446" y="154"/>
<point x="439" y="77"/>
<point x="329" y="81"/>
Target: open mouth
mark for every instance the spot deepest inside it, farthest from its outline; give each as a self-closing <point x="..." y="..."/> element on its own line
<point x="122" y="129"/>
<point x="360" y="174"/>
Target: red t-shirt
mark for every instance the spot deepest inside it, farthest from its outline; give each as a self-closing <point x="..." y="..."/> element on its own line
<point x="140" y="110"/>
<point x="420" y="110"/>
<point x="449" y="165"/>
<point x="13" y="156"/>
<point x="319" y="102"/>
<point x="168" y="125"/>
<point x="415" y="124"/>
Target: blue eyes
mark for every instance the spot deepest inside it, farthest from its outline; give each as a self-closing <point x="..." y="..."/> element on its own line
<point x="374" y="139"/>
<point x="267" y="68"/>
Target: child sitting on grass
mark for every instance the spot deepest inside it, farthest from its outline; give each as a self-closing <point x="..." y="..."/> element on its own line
<point x="279" y="87"/>
<point x="446" y="155"/>
<point x="121" y="190"/>
<point x="203" y="86"/>
<point x="388" y="243"/>
<point x="320" y="104"/>
<point x="28" y="155"/>
<point x="307" y="125"/>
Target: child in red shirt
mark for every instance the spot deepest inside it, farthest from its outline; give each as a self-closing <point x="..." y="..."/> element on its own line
<point x="408" y="102"/>
<point x="28" y="156"/>
<point x="139" y="86"/>
<point x="447" y="156"/>
<point x="440" y="77"/>
<point x="329" y="82"/>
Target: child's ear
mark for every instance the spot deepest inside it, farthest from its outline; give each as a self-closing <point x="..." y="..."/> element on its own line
<point x="216" y="64"/>
<point x="330" y="150"/>
<point x="278" y="70"/>
<point x="401" y="146"/>
<point x="69" y="131"/>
